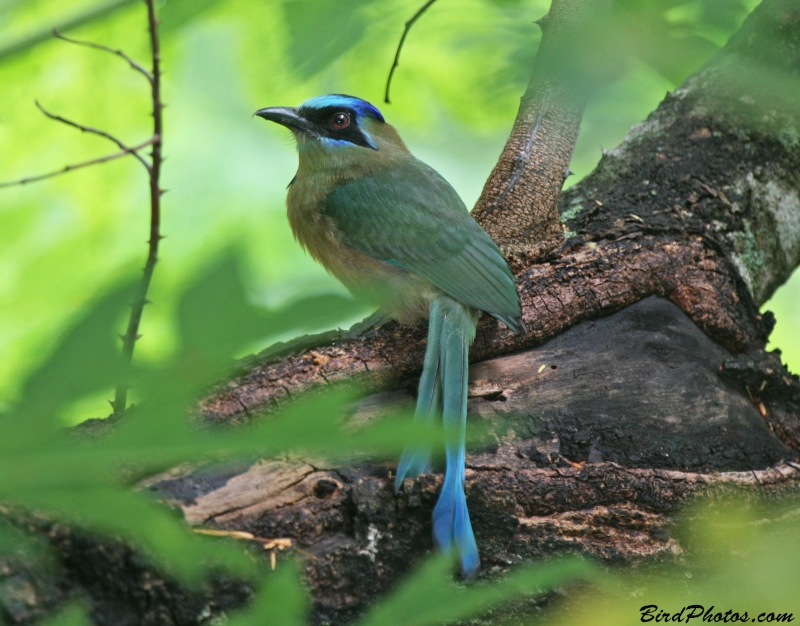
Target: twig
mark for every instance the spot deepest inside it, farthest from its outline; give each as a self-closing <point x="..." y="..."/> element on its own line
<point x="77" y="166"/>
<point x="120" y="401"/>
<point x="232" y="534"/>
<point x="38" y="37"/>
<point x="95" y="131"/>
<point x="396" y="61"/>
<point x="98" y="46"/>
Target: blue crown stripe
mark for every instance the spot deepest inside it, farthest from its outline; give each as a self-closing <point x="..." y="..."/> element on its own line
<point x="361" y="107"/>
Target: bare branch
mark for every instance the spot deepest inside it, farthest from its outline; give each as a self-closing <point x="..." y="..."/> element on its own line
<point x="120" y="401"/>
<point x="77" y="166"/>
<point x="396" y="61"/>
<point x="95" y="131"/>
<point x="98" y="46"/>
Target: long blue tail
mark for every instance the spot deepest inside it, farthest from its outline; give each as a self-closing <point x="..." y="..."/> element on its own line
<point x="418" y="460"/>
<point x="445" y="375"/>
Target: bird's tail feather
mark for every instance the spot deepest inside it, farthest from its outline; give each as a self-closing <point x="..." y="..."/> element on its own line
<point x="451" y="524"/>
<point x="417" y="460"/>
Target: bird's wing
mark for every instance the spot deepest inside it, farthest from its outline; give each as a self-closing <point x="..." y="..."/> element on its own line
<point x="408" y="215"/>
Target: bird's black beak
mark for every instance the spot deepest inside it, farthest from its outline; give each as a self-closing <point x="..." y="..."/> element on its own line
<point x="285" y="116"/>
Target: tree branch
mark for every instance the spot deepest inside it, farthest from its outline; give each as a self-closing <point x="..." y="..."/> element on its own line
<point x="579" y="284"/>
<point x="518" y="205"/>
<point x="396" y="61"/>
<point x="77" y="166"/>
<point x="90" y="44"/>
<point x="716" y="159"/>
<point x="99" y="133"/>
<point x="120" y="401"/>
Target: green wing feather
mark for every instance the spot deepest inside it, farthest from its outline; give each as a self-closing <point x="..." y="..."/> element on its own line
<point x="408" y="215"/>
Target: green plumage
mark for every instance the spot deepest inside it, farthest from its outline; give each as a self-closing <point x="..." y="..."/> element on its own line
<point x="409" y="216"/>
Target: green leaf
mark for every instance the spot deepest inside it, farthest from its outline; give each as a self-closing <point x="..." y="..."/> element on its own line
<point x="45" y="31"/>
<point x="215" y="317"/>
<point x="320" y="31"/>
<point x="429" y="596"/>
<point x="178" y="13"/>
<point x="159" y="532"/>
<point x="73" y="615"/>
<point x="86" y="360"/>
<point x="215" y="320"/>
<point x="281" y="601"/>
<point x="15" y="540"/>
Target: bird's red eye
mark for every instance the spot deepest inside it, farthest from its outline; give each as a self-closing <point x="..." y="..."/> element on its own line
<point x="340" y="121"/>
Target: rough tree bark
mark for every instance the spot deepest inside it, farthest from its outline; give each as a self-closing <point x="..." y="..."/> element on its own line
<point x="642" y="380"/>
<point x="518" y="207"/>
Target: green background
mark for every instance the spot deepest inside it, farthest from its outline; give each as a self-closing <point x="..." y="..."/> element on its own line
<point x="65" y="242"/>
<point x="455" y="94"/>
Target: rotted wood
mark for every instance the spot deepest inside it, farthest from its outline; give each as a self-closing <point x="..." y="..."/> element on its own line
<point x="597" y="439"/>
<point x="355" y="537"/>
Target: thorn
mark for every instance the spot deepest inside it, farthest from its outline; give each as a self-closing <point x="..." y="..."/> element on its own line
<point x="542" y="22"/>
<point x="162" y="237"/>
<point x="605" y="152"/>
<point x="146" y="301"/>
<point x="121" y="336"/>
<point x="138" y="337"/>
<point x="161" y="192"/>
<point x="568" y="172"/>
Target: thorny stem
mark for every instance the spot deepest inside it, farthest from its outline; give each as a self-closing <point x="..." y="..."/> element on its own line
<point x="396" y="61"/>
<point x="90" y="44"/>
<point x="95" y="131"/>
<point x="153" y="168"/>
<point x="76" y="166"/>
<point x="120" y="401"/>
<point x="126" y="150"/>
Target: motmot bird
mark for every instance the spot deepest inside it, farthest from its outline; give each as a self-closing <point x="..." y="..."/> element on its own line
<point x="397" y="234"/>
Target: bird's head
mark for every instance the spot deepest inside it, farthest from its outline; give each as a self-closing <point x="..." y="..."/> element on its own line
<point x="339" y="127"/>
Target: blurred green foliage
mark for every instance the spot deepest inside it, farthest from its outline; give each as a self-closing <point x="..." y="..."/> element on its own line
<point x="72" y="616"/>
<point x="88" y="480"/>
<point x="786" y="306"/>
<point x="742" y="555"/>
<point x="69" y="246"/>
<point x="64" y="241"/>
